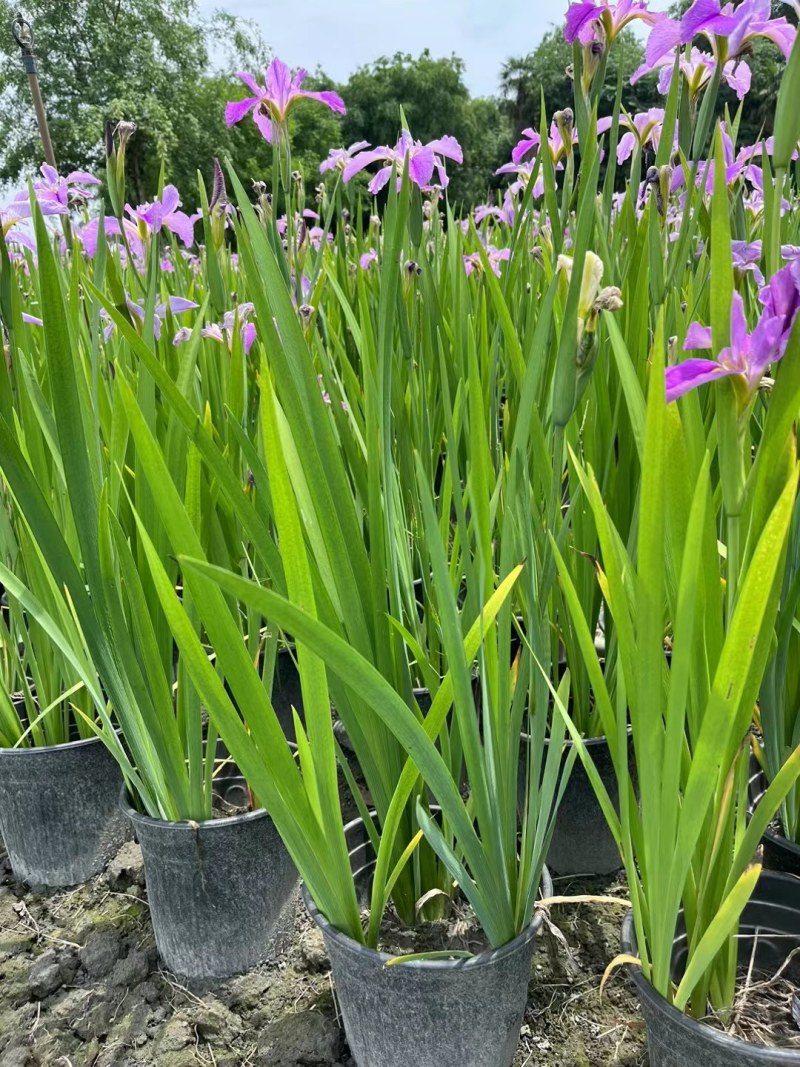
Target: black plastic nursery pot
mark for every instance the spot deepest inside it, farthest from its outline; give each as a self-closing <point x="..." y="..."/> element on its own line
<point x="582" y="843"/>
<point x="59" y="811"/>
<point x="429" y="1013"/>
<point x="222" y="892"/>
<point x="286" y="693"/>
<point x="779" y="853"/>
<point x="772" y="920"/>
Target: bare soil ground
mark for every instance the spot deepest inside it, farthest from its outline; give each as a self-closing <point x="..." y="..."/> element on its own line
<point x="81" y="986"/>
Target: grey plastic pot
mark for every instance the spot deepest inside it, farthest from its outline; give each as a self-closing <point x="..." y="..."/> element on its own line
<point x="780" y="854"/>
<point x="222" y="892"/>
<point x="674" y="1039"/>
<point x="286" y="693"/>
<point x="59" y="814"/>
<point x="582" y="843"/>
<point x="429" y="1013"/>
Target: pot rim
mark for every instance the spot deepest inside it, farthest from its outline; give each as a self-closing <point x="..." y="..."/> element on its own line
<point x="602" y="739"/>
<point x="187" y="825"/>
<point x="483" y="959"/>
<point x="724" y="1041"/>
<point x="34" y="750"/>
<point x="757" y="784"/>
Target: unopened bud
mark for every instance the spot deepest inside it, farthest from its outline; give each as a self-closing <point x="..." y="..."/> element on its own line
<point x="565" y="119"/>
<point x="219" y="194"/>
<point x="565" y="122"/>
<point x="592" y="55"/>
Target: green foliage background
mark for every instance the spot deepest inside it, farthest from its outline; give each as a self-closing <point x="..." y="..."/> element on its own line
<point x="149" y="61"/>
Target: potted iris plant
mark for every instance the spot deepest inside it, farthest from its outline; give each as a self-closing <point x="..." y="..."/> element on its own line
<point x="701" y="904"/>
<point x="155" y="726"/>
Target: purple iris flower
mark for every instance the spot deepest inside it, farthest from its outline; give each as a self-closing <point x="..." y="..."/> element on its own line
<point x="9" y="228"/>
<point x="781" y="297"/>
<point x="367" y="259"/>
<point x="300" y="221"/>
<point x="736" y="25"/>
<point x="423" y="160"/>
<point x="89" y="233"/>
<point x="734" y="167"/>
<point x="505" y="214"/>
<point x="56" y="195"/>
<point x="183" y="335"/>
<point x="473" y="263"/>
<point x="746" y="258"/>
<point x="697" y="71"/>
<point x="176" y="305"/>
<point x="224" y="332"/>
<point x="524" y="173"/>
<point x="756" y="151"/>
<point x="316" y="235"/>
<point x="754" y="197"/>
<point x="746" y="358"/>
<point x="729" y="29"/>
<point x="590" y="19"/>
<point x="272" y="102"/>
<point x="644" y="130"/>
<point x="338" y="158"/>
<point x="562" y="138"/>
<point x="164" y="213"/>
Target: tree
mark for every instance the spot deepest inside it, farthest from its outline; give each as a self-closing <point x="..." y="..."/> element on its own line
<point x="436" y="102"/>
<point x="145" y="60"/>
<point x="545" y="70"/>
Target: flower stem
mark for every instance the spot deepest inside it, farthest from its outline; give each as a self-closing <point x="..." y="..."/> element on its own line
<point x="775" y="229"/>
<point x="733" y="522"/>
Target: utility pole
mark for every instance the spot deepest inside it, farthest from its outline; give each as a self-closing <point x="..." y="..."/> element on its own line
<point x="23" y="35"/>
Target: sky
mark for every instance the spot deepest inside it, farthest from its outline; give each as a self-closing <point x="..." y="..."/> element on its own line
<point x="342" y="35"/>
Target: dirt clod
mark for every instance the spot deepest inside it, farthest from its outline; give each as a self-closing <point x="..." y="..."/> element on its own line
<point x="308" y="1039"/>
<point x="313" y="952"/>
<point x="81" y="984"/>
<point x="126" y="869"/>
<point x="100" y="952"/>
<point x="131" y="970"/>
<point x="16" y="1057"/>
<point x="45" y="975"/>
